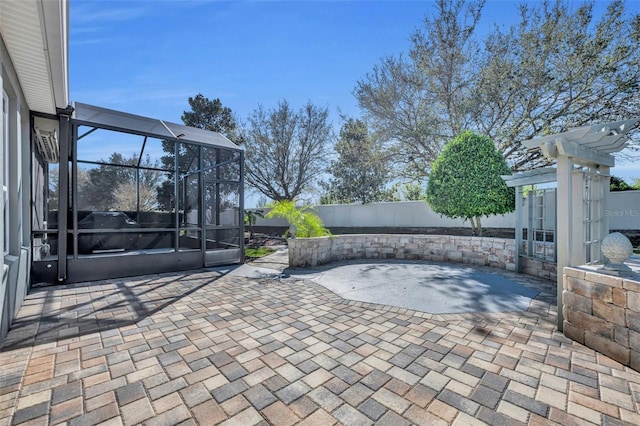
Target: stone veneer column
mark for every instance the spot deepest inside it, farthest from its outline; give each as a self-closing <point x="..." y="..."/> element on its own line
<point x="603" y="312"/>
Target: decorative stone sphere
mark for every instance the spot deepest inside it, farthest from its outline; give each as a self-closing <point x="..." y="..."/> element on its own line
<point x="616" y="247"/>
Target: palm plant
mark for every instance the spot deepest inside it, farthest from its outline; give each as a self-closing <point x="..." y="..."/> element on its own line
<point x="250" y="219"/>
<point x="307" y="223"/>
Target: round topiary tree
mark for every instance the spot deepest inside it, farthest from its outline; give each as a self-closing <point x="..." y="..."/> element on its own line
<point x="465" y="181"/>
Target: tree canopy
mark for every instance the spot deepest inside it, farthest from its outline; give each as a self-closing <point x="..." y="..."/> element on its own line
<point x="360" y="172"/>
<point x="285" y="150"/>
<point x="211" y="115"/>
<point x="465" y="180"/>
<point x="558" y="68"/>
<point x="120" y="184"/>
<point x="619" y="184"/>
<point x="205" y="114"/>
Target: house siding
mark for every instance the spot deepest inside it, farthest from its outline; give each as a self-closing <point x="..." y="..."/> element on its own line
<point x="14" y="209"/>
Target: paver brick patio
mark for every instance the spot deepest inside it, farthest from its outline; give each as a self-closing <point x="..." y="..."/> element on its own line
<point x="203" y="348"/>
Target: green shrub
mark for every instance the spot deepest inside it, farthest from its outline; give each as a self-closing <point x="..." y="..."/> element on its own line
<point x="307" y="223"/>
<point x="255" y="252"/>
<point x="465" y="181"/>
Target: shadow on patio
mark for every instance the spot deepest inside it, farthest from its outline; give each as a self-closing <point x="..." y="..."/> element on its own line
<point x="56" y="313"/>
<point x="208" y="348"/>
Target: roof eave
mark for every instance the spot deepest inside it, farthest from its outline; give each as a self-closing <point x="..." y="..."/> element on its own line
<point x="35" y="33"/>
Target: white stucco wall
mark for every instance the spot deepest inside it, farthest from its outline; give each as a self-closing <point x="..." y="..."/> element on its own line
<point x="623" y="211"/>
<point x="400" y="214"/>
<point x="396" y="214"/>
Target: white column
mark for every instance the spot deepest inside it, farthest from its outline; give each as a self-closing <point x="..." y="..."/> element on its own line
<point x="564" y="215"/>
<point x="518" y="237"/>
<point x="577" y="253"/>
<point x="604" y="222"/>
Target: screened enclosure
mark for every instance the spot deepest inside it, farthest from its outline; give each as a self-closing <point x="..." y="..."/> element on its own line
<point x="132" y="195"/>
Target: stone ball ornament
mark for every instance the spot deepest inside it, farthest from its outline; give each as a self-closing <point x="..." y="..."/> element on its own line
<point x="616" y="248"/>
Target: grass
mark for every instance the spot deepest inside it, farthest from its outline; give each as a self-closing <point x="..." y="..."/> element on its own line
<point x="255" y="252"/>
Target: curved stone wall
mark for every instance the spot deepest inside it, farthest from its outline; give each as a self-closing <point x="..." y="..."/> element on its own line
<point x="497" y="252"/>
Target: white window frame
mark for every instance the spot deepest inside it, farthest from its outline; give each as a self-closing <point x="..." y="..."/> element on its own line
<point x="5" y="168"/>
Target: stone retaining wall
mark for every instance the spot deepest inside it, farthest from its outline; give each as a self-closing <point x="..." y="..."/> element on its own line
<point x="539" y="268"/>
<point x="497" y="252"/>
<point x="603" y="312"/>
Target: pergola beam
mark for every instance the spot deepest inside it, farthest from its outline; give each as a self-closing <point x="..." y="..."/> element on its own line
<point x="531" y="177"/>
<point x="601" y="138"/>
<point x="582" y="155"/>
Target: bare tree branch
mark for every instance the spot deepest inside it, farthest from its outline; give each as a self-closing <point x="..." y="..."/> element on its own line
<point x="286" y="150"/>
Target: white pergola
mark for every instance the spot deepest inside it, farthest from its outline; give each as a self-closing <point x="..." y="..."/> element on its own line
<point x="584" y="157"/>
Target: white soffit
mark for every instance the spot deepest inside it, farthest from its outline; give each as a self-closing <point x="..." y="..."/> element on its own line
<point x="35" y="33"/>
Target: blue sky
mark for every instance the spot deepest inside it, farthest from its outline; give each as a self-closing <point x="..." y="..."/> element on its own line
<point x="149" y="57"/>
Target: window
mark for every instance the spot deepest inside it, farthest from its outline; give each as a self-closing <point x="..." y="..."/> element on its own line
<point x="5" y="168"/>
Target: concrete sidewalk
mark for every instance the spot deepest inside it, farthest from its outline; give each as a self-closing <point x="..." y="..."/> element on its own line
<point x="212" y="348"/>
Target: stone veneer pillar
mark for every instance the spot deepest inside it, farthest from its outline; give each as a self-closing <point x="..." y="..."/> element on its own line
<point x="602" y="312"/>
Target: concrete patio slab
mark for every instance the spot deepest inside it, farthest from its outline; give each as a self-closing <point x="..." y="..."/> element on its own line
<point x="205" y="348"/>
<point x="437" y="288"/>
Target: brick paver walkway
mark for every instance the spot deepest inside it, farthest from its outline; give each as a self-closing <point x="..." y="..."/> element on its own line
<point x="198" y="348"/>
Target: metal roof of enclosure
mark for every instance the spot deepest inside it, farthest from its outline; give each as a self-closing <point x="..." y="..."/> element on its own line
<point x="91" y="115"/>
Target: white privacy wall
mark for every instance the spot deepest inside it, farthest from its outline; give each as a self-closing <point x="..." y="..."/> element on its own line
<point x="623" y="211"/>
<point x="399" y="214"/>
<point x="396" y="214"/>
